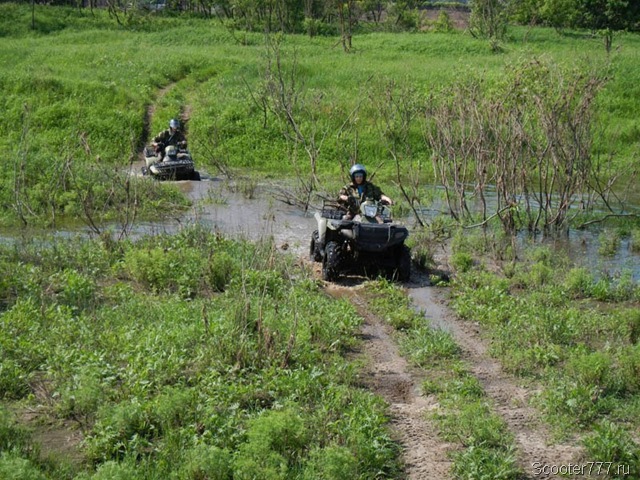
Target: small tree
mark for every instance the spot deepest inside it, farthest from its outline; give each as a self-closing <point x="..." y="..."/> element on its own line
<point x="560" y="14"/>
<point x="608" y="17"/>
<point x="488" y="19"/>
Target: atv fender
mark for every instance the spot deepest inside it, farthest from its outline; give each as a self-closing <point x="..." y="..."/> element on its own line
<point x="322" y="228"/>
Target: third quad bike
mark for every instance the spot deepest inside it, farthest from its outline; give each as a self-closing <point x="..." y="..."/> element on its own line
<point x="176" y="164"/>
<point x="371" y="242"/>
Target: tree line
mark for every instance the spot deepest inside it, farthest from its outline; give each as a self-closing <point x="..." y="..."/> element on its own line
<point x="317" y="17"/>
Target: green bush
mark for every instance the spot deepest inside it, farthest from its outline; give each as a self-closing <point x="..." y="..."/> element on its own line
<point x="19" y="326"/>
<point x="81" y="395"/>
<point x="593" y="370"/>
<point x="609" y="243"/>
<point x="472" y="425"/>
<point x="276" y="442"/>
<point x="206" y="462"/>
<point x="569" y="399"/>
<point x="121" y="430"/>
<point x="540" y="274"/>
<point x="479" y="462"/>
<point x="426" y="345"/>
<point x="13" y="437"/>
<point x="443" y="23"/>
<point x="115" y="471"/>
<point x="579" y="282"/>
<point x="75" y="290"/>
<point x="222" y="269"/>
<point x="462" y="261"/>
<point x="167" y="270"/>
<point x="333" y="462"/>
<point x="611" y="444"/>
<point x="13" y="467"/>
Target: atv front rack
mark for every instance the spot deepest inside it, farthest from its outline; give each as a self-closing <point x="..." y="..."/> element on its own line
<point x="332" y="210"/>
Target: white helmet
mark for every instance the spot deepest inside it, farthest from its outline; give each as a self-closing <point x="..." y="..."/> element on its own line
<point x="357" y="168"/>
<point x="173" y="123"/>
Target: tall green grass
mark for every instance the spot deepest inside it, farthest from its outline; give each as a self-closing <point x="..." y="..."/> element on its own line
<point x="182" y="357"/>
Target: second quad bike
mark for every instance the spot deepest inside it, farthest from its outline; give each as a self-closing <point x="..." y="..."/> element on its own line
<point x="370" y="243"/>
<point x="176" y="164"/>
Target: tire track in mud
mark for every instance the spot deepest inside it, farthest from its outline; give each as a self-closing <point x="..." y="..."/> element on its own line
<point x="389" y="375"/>
<point x="511" y="401"/>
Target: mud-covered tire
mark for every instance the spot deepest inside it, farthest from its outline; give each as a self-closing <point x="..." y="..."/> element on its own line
<point x="195" y="176"/>
<point x="403" y="269"/>
<point x="331" y="262"/>
<point x="315" y="255"/>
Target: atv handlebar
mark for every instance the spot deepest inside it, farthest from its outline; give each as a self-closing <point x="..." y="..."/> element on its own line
<point x="159" y="146"/>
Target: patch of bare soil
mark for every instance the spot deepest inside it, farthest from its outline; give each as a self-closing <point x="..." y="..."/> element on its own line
<point x="511" y="399"/>
<point x="389" y="375"/>
<point x="57" y="439"/>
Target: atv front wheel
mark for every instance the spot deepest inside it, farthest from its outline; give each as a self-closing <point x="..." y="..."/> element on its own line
<point x="314" y="248"/>
<point x="403" y="270"/>
<point x="331" y="262"/>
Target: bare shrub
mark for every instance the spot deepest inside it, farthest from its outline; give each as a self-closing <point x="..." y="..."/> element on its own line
<point x="531" y="140"/>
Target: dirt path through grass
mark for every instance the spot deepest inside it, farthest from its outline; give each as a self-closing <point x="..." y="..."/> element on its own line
<point x="511" y="400"/>
<point x="389" y="375"/>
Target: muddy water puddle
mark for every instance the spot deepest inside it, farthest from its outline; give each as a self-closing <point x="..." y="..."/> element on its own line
<point x="221" y="207"/>
<point x="255" y="211"/>
<point x="217" y="204"/>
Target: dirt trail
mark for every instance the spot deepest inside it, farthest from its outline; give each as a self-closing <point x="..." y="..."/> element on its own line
<point x="147" y="134"/>
<point x="511" y="400"/>
<point x="389" y="375"/>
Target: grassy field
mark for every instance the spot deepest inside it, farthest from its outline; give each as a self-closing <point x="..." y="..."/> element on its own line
<point x="76" y="91"/>
<point x="182" y="357"/>
<point x="190" y="356"/>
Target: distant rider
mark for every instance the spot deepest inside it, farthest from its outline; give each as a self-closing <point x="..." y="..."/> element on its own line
<point x="359" y="190"/>
<point x="171" y="136"/>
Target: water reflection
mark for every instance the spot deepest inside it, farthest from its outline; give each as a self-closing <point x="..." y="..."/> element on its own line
<point x="581" y="246"/>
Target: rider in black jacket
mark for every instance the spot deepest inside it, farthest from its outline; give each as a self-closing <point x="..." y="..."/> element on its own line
<point x="171" y="136"/>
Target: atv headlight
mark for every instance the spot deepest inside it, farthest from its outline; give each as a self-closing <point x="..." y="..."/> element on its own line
<point x="370" y="210"/>
<point x="171" y="150"/>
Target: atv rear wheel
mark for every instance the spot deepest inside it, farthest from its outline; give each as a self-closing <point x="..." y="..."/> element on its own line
<point x="331" y="262"/>
<point x="315" y="254"/>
